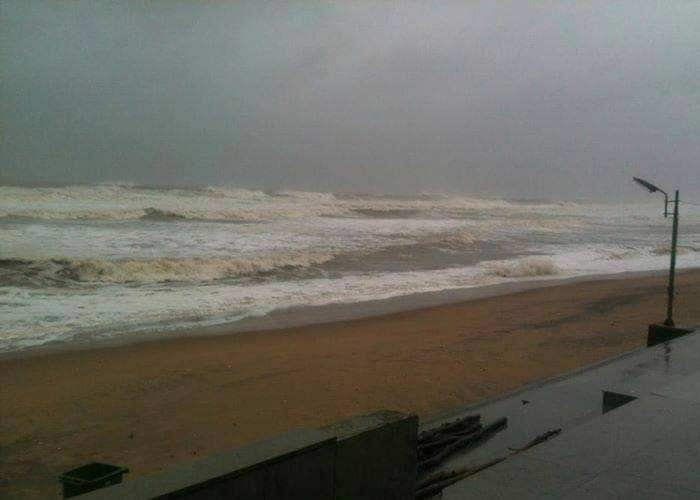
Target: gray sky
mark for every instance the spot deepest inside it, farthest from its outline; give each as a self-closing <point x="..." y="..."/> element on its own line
<point x="524" y="99"/>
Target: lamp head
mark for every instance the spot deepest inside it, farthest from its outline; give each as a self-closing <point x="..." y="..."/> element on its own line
<point x="647" y="185"/>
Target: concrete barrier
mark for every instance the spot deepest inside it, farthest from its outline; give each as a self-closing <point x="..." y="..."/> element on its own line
<point x="298" y="465"/>
<point x="376" y="456"/>
<point x="366" y="457"/>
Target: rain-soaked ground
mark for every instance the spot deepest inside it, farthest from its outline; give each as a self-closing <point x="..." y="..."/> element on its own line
<point x="646" y="448"/>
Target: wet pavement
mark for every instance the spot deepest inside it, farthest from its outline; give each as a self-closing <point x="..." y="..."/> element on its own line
<point x="646" y="448"/>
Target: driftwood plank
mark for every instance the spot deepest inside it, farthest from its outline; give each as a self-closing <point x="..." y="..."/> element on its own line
<point x="465" y="442"/>
<point x="447" y="427"/>
<point x="442" y="439"/>
<point x="438" y="482"/>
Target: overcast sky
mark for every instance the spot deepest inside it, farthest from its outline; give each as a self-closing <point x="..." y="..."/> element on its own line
<point x="524" y="99"/>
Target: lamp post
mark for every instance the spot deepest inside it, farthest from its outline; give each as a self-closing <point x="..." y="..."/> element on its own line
<point x="674" y="240"/>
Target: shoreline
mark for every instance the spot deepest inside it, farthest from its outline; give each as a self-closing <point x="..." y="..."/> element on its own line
<point x="309" y="315"/>
<point x="152" y="404"/>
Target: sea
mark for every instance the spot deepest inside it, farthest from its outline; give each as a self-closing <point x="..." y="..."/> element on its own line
<point x="91" y="263"/>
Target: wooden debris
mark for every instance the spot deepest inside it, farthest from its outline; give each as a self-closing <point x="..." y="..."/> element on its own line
<point x="435" y="484"/>
<point x="441" y="440"/>
<point x="539" y="439"/>
<point x="448" y="427"/>
<point x="464" y="442"/>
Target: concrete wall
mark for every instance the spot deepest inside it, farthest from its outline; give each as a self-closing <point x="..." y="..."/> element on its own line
<point x="294" y="466"/>
<point x="376" y="456"/>
<point x="365" y="457"/>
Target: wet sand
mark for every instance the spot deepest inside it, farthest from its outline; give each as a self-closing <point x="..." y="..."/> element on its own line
<point x="151" y="404"/>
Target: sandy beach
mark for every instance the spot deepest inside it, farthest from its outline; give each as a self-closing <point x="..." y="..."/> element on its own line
<point x="151" y="404"/>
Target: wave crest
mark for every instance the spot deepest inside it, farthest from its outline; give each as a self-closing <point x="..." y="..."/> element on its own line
<point x="680" y="250"/>
<point x="522" y="268"/>
<point x="142" y="271"/>
<point x="151" y="213"/>
<point x="125" y="202"/>
<point x="458" y="239"/>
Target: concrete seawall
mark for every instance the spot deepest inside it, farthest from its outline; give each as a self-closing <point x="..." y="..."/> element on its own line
<point x="369" y="456"/>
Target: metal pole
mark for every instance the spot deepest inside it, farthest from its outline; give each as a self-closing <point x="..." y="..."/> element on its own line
<point x="672" y="271"/>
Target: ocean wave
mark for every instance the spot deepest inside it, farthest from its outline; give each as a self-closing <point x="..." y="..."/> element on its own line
<point x="387" y="213"/>
<point x="304" y="195"/>
<point x="158" y="270"/>
<point x="619" y="254"/>
<point x="233" y="192"/>
<point x="459" y="239"/>
<point x="392" y="196"/>
<point x="680" y="250"/>
<point x="126" y="202"/>
<point x="522" y="268"/>
<point x="151" y="213"/>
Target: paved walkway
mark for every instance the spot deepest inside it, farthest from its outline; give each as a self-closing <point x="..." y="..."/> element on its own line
<point x="646" y="448"/>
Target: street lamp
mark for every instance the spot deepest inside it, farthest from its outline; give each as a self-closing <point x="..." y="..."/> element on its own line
<point x="652" y="189"/>
<point x="674" y="240"/>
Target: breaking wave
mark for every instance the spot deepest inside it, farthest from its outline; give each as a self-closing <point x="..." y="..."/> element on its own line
<point x="303" y="195"/>
<point x="151" y="213"/>
<point x="141" y="271"/>
<point x="457" y="239"/>
<point x="126" y="202"/>
<point x="680" y="250"/>
<point x="522" y="268"/>
<point x="387" y="213"/>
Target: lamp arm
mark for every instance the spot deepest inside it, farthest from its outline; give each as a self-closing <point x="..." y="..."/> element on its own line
<point x="665" y="201"/>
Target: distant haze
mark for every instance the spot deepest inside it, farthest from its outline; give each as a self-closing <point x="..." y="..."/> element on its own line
<point x="521" y="99"/>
